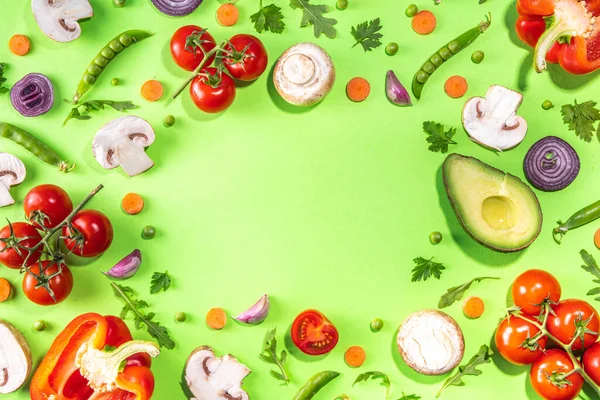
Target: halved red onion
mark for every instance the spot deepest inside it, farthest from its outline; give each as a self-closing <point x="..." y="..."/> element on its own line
<point x="551" y="164"/>
<point x="176" y="8"/>
<point x="33" y="95"/>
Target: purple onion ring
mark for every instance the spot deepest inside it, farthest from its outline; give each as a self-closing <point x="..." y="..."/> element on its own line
<point x="551" y="164"/>
<point x="176" y="8"/>
<point x="33" y="95"/>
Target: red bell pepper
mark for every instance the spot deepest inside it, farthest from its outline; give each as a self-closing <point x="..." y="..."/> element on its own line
<point x="95" y="358"/>
<point x="562" y="31"/>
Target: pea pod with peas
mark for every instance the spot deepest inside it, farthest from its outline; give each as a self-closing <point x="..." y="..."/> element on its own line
<point x="579" y="219"/>
<point x="314" y="384"/>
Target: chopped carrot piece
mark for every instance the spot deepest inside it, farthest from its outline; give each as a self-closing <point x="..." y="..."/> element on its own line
<point x="358" y="89"/>
<point x="228" y="14"/>
<point x="355" y="356"/>
<point x="424" y="22"/>
<point x="216" y="318"/>
<point x="597" y="239"/>
<point x="456" y="86"/>
<point x="5" y="290"/>
<point x="132" y="203"/>
<point x="152" y="90"/>
<point x="19" y="45"/>
<point x="473" y="307"/>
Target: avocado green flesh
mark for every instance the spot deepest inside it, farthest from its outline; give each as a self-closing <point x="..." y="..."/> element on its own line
<point x="497" y="209"/>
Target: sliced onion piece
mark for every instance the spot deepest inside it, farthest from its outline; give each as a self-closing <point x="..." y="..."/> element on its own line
<point x="551" y="164"/>
<point x="176" y="8"/>
<point x="33" y="95"/>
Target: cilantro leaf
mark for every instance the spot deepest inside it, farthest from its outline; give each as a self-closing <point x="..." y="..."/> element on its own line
<point x="268" y="18"/>
<point x="3" y="89"/>
<point x="269" y="355"/>
<point x="313" y="15"/>
<point x="160" y="281"/>
<point x="367" y="34"/>
<point x="456" y="293"/>
<point x="385" y="381"/>
<point x="425" y="269"/>
<point x="483" y="356"/>
<point x="591" y="266"/>
<point x="82" y="110"/>
<point x="581" y="118"/>
<point x="437" y="137"/>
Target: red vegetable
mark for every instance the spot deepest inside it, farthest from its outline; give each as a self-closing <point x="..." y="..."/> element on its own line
<point x="532" y="287"/>
<point x="248" y="57"/>
<point x="512" y="335"/>
<point x="313" y="334"/>
<point x="92" y="236"/>
<point x="591" y="362"/>
<point x="14" y="235"/>
<point x="213" y="91"/>
<point x="47" y="205"/>
<point x="572" y="316"/>
<point x="187" y="45"/>
<point x="555" y="361"/>
<point x="49" y="280"/>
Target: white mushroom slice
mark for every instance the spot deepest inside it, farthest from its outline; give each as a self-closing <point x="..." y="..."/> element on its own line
<point x="215" y="378"/>
<point x="12" y="173"/>
<point x="58" y="18"/>
<point x="304" y="74"/>
<point x="122" y="142"/>
<point x="431" y="342"/>
<point x="493" y="121"/>
<point x="15" y="358"/>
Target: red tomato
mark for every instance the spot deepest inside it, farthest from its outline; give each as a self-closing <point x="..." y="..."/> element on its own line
<point x="10" y="255"/>
<point x="247" y="58"/>
<point x="61" y="285"/>
<point x="511" y="336"/>
<point x="313" y="334"/>
<point x="532" y="287"/>
<point x="591" y="362"/>
<point x="567" y="316"/>
<point x="213" y="91"/>
<point x="93" y="235"/>
<point x="118" y="333"/>
<point x="552" y="362"/>
<point x="187" y="44"/>
<point x="52" y="202"/>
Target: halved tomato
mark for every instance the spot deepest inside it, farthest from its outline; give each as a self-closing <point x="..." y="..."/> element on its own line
<point x="313" y="334"/>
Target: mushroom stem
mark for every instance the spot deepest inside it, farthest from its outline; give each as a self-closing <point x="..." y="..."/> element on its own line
<point x="5" y="197"/>
<point x="133" y="158"/>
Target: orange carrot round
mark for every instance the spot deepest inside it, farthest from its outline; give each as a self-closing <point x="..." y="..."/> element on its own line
<point x="228" y="14"/>
<point x="355" y="356"/>
<point x="216" y="318"/>
<point x="152" y="90"/>
<point x="358" y="89"/>
<point x="473" y="307"/>
<point x="19" y="45"/>
<point x="456" y="86"/>
<point x="5" y="290"/>
<point x="597" y="238"/>
<point x="132" y="203"/>
<point x="424" y="22"/>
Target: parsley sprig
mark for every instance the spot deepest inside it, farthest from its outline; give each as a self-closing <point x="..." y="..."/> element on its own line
<point x="438" y="137"/>
<point x="367" y="34"/>
<point x="268" y="18"/>
<point x="425" y="269"/>
<point x="160" y="281"/>
<point x="581" y="119"/>
<point x="3" y="89"/>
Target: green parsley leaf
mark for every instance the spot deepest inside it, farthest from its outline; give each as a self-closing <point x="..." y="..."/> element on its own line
<point x="3" y="89"/>
<point x="160" y="281"/>
<point x="268" y="18"/>
<point x="483" y="356"/>
<point x="591" y="266"/>
<point x="456" y="293"/>
<point x="425" y="269"/>
<point x="409" y="397"/>
<point x="313" y="15"/>
<point x="269" y="355"/>
<point x="385" y="381"/>
<point x="581" y="118"/>
<point x="367" y="34"/>
<point x="82" y="110"/>
<point x="437" y="137"/>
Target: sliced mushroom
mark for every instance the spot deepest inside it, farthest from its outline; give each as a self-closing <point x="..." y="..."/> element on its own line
<point x="58" y="18"/>
<point x="304" y="74"/>
<point x="12" y="173"/>
<point x="215" y="378"/>
<point x="15" y="358"/>
<point x="493" y="121"/>
<point x="121" y="143"/>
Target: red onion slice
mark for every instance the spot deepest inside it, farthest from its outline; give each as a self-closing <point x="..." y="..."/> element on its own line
<point x="551" y="164"/>
<point x="176" y="8"/>
<point x="33" y="95"/>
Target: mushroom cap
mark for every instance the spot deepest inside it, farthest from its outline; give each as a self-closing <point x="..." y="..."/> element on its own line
<point x="12" y="170"/>
<point x="15" y="356"/>
<point x="58" y="18"/>
<point x="304" y="74"/>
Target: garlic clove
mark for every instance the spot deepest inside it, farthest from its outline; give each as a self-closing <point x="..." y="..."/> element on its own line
<point x="257" y="313"/>
<point x="127" y="267"/>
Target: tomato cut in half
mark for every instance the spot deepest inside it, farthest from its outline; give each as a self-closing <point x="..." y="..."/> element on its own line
<point x="313" y="333"/>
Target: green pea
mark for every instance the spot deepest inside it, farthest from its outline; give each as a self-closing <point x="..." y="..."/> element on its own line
<point x="546" y="105"/>
<point x="94" y="69"/>
<point x="445" y="53"/>
<point x="115" y="82"/>
<point x="180" y="317"/>
<point x="429" y="67"/>
<point x="148" y="232"/>
<point x="391" y="49"/>
<point x="411" y="10"/>
<point x="436" y="60"/>
<point x="40" y="326"/>
<point x="107" y="53"/>
<point x="435" y="237"/>
<point x="119" y="3"/>
<point x="376" y="325"/>
<point x="341" y="4"/>
<point x="125" y="39"/>
<point x="454" y="47"/>
<point x="477" y="56"/>
<point x="169" y="121"/>
<point x="89" y="78"/>
<point x="422" y="76"/>
<point x="115" y="46"/>
<point x="100" y="61"/>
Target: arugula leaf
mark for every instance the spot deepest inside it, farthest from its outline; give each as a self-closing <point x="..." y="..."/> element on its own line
<point x="483" y="356"/>
<point x="425" y="269"/>
<point x="133" y="306"/>
<point x="437" y="137"/>
<point x="581" y="118"/>
<point x="456" y="293"/>
<point x="409" y="397"/>
<point x="3" y="89"/>
<point x="591" y="266"/>
<point x="82" y="110"/>
<point x="160" y="281"/>
<point x="268" y="18"/>
<point x="385" y="381"/>
<point x="367" y="34"/>
<point x="269" y="355"/>
<point x="313" y="15"/>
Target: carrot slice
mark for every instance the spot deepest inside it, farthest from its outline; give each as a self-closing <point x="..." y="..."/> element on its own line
<point x="597" y="239"/>
<point x="358" y="89"/>
<point x="19" y="45"/>
<point x="228" y="14"/>
<point x="473" y="307"/>
<point x="5" y="290"/>
<point x="424" y="22"/>
<point x="355" y="356"/>
<point x="216" y="318"/>
<point x="456" y="86"/>
<point x="152" y="90"/>
<point x="132" y="203"/>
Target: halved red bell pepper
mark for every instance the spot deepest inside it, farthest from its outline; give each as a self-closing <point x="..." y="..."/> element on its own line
<point x="95" y="358"/>
<point x="562" y="31"/>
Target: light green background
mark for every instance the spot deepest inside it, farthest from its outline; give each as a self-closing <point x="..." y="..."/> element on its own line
<point x="324" y="208"/>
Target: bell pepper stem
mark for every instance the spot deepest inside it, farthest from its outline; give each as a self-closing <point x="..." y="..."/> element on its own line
<point x="558" y="29"/>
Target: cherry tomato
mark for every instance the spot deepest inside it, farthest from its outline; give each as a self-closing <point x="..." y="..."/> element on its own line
<point x="187" y="44"/>
<point x="117" y="334"/>
<point x="93" y="235"/>
<point x="52" y="201"/>
<point x="13" y="257"/>
<point x="511" y="337"/>
<point x="313" y="334"/>
<point x="548" y="365"/>
<point x="591" y="362"/>
<point x="213" y="92"/>
<point x="532" y="287"/>
<point x="567" y="315"/>
<point x="248" y="57"/>
<point x="61" y="285"/>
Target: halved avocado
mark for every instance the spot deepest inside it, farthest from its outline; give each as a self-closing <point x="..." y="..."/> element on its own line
<point x="495" y="208"/>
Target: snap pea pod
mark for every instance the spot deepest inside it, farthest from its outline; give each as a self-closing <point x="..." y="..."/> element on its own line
<point x="314" y="384"/>
<point x="105" y="56"/>
<point x="580" y="218"/>
<point x="445" y="53"/>
<point x="34" y="146"/>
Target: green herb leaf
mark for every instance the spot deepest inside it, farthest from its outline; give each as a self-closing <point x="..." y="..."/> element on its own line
<point x="591" y="266"/>
<point x="82" y="110"/>
<point x="313" y="15"/>
<point x="367" y="34"/>
<point x="3" y="89"/>
<point x="438" y="138"/>
<point x="269" y="355"/>
<point x="160" y="281"/>
<point x="268" y="18"/>
<point x="409" y="397"/>
<point x="385" y="381"/>
<point x="134" y="306"/>
<point x="483" y="356"/>
<point x="581" y="118"/>
<point x="425" y="269"/>
<point x="456" y="293"/>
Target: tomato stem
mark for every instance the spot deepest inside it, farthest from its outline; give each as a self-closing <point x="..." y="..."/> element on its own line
<point x="194" y="74"/>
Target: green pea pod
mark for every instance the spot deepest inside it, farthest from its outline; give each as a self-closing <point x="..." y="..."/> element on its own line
<point x="314" y="384"/>
<point x="445" y="53"/>
<point x="105" y="56"/>
<point x="34" y="146"/>
<point x="580" y="218"/>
